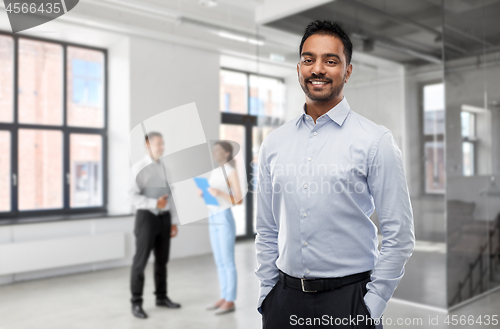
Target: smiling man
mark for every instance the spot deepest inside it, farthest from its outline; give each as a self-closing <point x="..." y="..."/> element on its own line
<point x="321" y="176"/>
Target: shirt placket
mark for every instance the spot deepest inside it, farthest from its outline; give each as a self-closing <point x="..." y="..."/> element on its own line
<point x="305" y="195"/>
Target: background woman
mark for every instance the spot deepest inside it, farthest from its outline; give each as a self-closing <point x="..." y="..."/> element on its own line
<point x="222" y="226"/>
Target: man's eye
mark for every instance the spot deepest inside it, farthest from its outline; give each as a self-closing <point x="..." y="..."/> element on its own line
<point x="307" y="61"/>
<point x="331" y="62"/>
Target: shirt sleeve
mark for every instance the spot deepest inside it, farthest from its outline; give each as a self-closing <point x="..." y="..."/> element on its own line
<point x="138" y="200"/>
<point x="173" y="210"/>
<point x="387" y="185"/>
<point x="266" y="241"/>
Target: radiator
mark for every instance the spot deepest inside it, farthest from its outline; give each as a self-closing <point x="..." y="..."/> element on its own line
<point x="48" y="254"/>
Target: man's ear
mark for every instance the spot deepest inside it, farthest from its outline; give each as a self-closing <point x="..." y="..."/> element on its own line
<point x="298" y="68"/>
<point x="348" y="73"/>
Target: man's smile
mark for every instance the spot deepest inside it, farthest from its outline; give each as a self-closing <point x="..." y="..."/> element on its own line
<point x="318" y="84"/>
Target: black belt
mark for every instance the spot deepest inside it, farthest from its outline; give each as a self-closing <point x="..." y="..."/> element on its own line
<point x="317" y="285"/>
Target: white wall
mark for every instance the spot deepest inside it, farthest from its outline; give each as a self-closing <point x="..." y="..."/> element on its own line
<point x="164" y="76"/>
<point x="118" y="125"/>
<point x="68" y="229"/>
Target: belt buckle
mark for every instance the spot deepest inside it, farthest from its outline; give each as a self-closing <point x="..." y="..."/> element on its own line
<point x="304" y="288"/>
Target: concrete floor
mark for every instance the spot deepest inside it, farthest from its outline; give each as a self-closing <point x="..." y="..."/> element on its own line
<point x="99" y="300"/>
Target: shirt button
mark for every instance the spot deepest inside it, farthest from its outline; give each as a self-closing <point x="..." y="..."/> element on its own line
<point x="305" y="186"/>
<point x="315" y="133"/>
<point x="308" y="271"/>
<point x="304" y="215"/>
<point x="306" y="244"/>
<point x="309" y="159"/>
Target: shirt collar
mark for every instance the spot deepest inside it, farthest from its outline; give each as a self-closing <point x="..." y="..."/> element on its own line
<point x="338" y="113"/>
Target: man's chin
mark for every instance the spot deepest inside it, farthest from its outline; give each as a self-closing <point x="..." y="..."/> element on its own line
<point x="320" y="98"/>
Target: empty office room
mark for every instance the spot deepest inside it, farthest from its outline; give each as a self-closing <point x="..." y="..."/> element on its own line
<point x="238" y="164"/>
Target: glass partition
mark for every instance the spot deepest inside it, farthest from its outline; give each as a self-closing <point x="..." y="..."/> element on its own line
<point x="472" y="77"/>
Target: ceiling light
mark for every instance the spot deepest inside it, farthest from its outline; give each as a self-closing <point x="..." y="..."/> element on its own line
<point x="241" y="38"/>
<point x="255" y="42"/>
<point x="222" y="31"/>
<point x="232" y="36"/>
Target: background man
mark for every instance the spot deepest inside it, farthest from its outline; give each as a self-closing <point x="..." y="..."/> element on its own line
<point x="321" y="176"/>
<point x="155" y="223"/>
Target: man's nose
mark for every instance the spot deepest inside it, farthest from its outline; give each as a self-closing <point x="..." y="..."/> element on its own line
<point x="318" y="68"/>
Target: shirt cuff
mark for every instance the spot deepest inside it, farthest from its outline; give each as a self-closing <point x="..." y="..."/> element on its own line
<point x="375" y="304"/>
<point x="152" y="203"/>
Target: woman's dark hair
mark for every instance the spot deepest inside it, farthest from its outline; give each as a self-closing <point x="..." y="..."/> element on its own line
<point x="328" y="28"/>
<point x="228" y="148"/>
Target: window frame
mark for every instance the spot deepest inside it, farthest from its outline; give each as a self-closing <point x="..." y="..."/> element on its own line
<point x="14" y="126"/>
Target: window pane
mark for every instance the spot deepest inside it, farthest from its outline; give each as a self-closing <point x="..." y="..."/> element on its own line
<point x="86" y="170"/>
<point x="267" y="96"/>
<point x="6" y="78"/>
<point x="40" y="82"/>
<point x="85" y="87"/>
<point x="236" y="134"/>
<point x="40" y="169"/>
<point x="434" y="109"/>
<point x="468" y="124"/>
<point x="468" y="158"/>
<point x="434" y="167"/>
<point x="233" y="92"/>
<point x="5" y="171"/>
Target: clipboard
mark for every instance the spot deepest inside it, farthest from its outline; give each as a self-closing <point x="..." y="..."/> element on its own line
<point x="202" y="183"/>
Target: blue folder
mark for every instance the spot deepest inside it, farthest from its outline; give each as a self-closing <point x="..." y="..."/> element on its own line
<point x="202" y="183"/>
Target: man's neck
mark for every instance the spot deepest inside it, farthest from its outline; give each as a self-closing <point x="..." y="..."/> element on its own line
<point x="316" y="109"/>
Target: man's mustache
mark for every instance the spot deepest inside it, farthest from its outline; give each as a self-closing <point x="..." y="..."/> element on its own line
<point x="318" y="78"/>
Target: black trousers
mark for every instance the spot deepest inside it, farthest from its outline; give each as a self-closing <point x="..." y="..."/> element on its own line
<point x="285" y="307"/>
<point x="152" y="233"/>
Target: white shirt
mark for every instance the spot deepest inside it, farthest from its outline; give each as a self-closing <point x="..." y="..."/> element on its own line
<point x="218" y="181"/>
<point x="318" y="185"/>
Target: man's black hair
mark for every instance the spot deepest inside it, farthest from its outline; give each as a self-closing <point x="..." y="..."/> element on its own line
<point x="152" y="134"/>
<point x="328" y="28"/>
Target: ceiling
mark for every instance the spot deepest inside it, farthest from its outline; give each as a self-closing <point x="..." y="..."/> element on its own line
<point x="403" y="31"/>
<point x="182" y="22"/>
<point x="408" y="31"/>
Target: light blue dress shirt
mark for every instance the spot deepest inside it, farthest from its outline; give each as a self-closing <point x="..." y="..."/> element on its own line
<point x="318" y="184"/>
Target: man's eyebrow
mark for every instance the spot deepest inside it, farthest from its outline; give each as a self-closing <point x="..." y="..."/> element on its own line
<point x="307" y="53"/>
<point x="332" y="55"/>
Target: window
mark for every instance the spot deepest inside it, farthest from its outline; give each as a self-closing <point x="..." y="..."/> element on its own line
<point x="266" y="96"/>
<point x="5" y="197"/>
<point x="52" y="127"/>
<point x="251" y="107"/>
<point x="433" y="132"/>
<point x="6" y="78"/>
<point x="246" y="93"/>
<point x="85" y="87"/>
<point x="469" y="142"/>
<point x="233" y="91"/>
